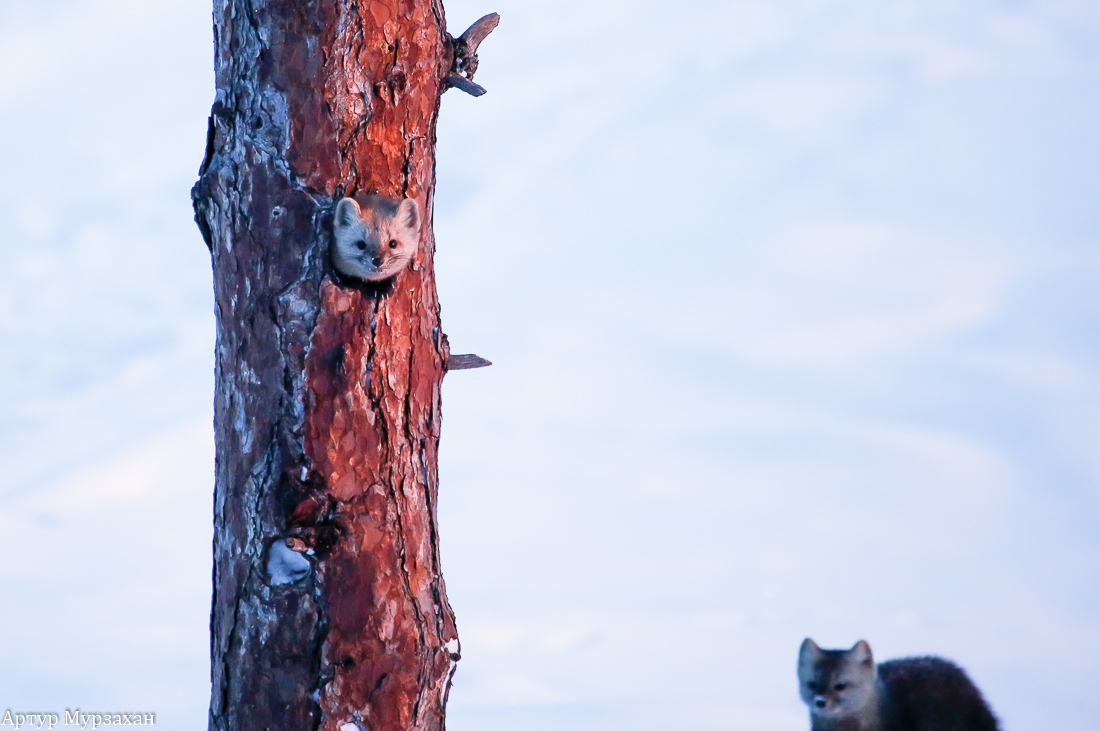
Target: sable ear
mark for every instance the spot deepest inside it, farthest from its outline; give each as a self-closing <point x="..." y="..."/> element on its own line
<point x="861" y="653"/>
<point x="809" y="653"/>
<point x="347" y="213"/>
<point x="408" y="215"/>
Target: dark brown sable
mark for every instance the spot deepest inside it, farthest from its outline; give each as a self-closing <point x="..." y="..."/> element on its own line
<point x="329" y="608"/>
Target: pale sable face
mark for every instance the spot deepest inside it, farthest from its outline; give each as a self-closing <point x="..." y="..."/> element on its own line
<point x="374" y="237"/>
<point x="836" y="683"/>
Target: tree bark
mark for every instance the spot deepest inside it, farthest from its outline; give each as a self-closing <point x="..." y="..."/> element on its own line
<point x="329" y="608"/>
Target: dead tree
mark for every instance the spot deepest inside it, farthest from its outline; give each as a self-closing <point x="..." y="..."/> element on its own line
<point x="329" y="608"/>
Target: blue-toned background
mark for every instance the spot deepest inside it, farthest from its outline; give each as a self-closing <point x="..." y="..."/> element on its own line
<point x="793" y="308"/>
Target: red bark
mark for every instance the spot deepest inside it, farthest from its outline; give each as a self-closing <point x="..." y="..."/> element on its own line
<point x="373" y="434"/>
<point x="327" y="405"/>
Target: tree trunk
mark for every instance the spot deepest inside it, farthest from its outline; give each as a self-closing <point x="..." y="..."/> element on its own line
<point x="329" y="608"/>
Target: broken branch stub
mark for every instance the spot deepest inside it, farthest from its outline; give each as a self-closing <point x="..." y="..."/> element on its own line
<point x="476" y="33"/>
<point x="463" y="362"/>
<point x="460" y="82"/>
<point x="461" y="75"/>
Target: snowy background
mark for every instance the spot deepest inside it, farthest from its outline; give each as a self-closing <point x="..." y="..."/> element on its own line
<point x="793" y="306"/>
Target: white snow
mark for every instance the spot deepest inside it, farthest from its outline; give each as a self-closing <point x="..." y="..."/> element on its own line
<point x="285" y="566"/>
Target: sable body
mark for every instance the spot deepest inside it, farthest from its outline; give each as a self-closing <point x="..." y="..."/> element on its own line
<point x="374" y="237"/>
<point x="846" y="691"/>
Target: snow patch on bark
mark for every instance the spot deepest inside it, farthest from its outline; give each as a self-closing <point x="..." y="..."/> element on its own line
<point x="285" y="566"/>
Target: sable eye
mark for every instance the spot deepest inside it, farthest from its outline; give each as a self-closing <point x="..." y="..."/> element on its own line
<point x="361" y="245"/>
<point x="840" y="686"/>
<point x="393" y="243"/>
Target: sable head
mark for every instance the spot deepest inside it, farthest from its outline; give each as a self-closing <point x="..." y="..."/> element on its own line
<point x="374" y="237"/>
<point x="836" y="683"/>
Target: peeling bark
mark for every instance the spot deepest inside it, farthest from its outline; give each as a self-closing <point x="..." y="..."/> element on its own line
<point x="329" y="607"/>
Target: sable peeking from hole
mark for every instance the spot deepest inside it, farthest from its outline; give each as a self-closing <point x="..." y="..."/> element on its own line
<point x="374" y="237"/>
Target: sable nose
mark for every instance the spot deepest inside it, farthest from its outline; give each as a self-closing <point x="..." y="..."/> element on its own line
<point x="377" y="261"/>
<point x="819" y="702"/>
